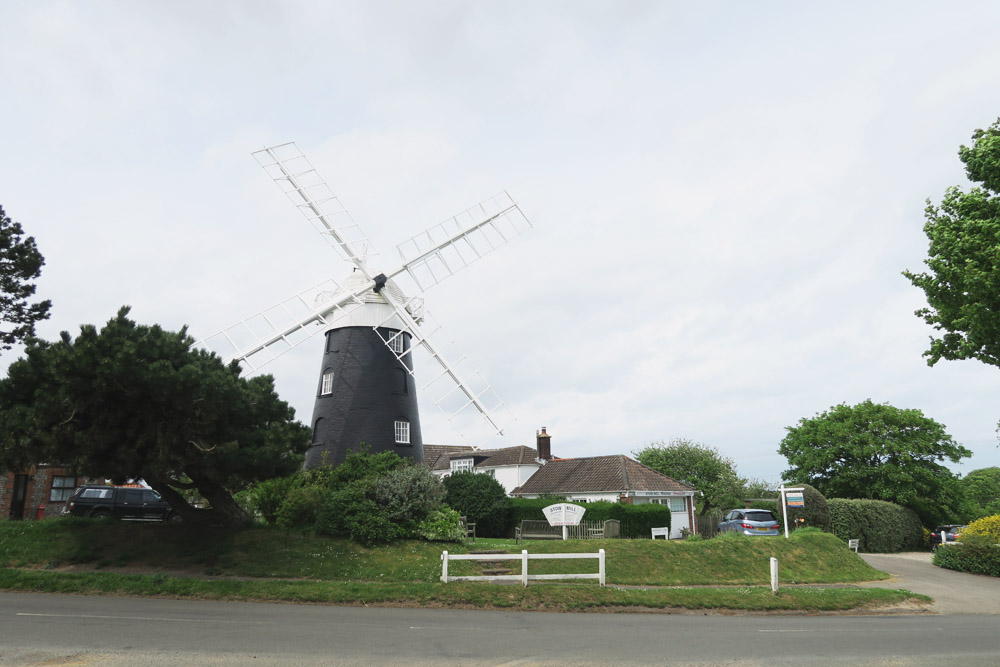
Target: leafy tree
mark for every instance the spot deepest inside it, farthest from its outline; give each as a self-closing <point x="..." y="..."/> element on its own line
<point x="20" y="263"/>
<point x="135" y="401"/>
<point x="880" y="452"/>
<point x="481" y="499"/>
<point x="962" y="282"/>
<point x="699" y="465"/>
<point x="754" y="487"/>
<point x="983" y="486"/>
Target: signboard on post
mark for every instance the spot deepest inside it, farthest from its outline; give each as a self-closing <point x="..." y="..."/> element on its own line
<point x="564" y="514"/>
<point x="786" y="499"/>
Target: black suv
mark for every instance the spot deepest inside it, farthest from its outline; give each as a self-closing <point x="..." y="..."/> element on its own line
<point x="953" y="532"/>
<point x="119" y="502"/>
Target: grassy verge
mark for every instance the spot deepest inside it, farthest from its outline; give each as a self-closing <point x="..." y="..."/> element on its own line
<point x="537" y="597"/>
<point x="80" y="556"/>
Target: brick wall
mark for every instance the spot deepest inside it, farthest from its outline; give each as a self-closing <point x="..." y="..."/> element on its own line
<point x="38" y="491"/>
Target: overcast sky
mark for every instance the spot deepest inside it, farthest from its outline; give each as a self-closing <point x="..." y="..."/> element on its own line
<point x="723" y="194"/>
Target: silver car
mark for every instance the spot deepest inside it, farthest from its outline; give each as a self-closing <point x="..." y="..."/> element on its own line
<point x="750" y="522"/>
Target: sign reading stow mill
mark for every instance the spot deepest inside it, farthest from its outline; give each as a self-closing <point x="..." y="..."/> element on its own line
<point x="564" y="514"/>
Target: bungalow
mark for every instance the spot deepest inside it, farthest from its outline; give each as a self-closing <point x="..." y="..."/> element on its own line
<point x="616" y="479"/>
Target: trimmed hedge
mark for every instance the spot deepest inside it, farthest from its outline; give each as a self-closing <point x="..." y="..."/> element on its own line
<point x="636" y="521"/>
<point x="880" y="527"/>
<point x="975" y="554"/>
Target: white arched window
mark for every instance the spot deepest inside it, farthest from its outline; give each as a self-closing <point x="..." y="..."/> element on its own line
<point x="326" y="386"/>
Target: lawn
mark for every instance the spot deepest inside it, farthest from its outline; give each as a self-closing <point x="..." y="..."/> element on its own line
<point x="174" y="560"/>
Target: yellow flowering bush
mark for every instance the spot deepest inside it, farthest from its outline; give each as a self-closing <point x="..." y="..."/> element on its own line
<point x="989" y="526"/>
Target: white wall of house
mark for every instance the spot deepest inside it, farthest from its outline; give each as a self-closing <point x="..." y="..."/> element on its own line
<point x="511" y="477"/>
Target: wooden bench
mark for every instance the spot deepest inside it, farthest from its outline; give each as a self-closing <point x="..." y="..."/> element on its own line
<point x="468" y="530"/>
<point x="533" y="529"/>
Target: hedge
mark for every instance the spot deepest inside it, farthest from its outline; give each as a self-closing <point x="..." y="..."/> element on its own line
<point x="880" y="527"/>
<point x="975" y="554"/>
<point x="635" y="520"/>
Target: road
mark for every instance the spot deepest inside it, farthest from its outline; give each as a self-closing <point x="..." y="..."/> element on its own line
<point x="43" y="629"/>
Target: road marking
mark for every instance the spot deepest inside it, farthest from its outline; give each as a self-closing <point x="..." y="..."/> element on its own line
<point x="827" y="631"/>
<point x="141" y="618"/>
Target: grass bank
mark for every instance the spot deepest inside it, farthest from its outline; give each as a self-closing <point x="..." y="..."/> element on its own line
<point x="267" y="564"/>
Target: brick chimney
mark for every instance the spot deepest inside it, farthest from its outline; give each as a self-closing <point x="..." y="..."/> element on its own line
<point x="544" y="445"/>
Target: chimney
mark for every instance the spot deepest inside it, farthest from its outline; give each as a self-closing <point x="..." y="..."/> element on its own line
<point x="544" y="445"/>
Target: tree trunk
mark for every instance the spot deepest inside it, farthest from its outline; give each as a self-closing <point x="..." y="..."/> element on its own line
<point x="222" y="511"/>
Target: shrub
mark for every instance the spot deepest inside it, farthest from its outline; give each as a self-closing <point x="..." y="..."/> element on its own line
<point x="880" y="527"/>
<point x="441" y="525"/>
<point x="407" y="495"/>
<point x="298" y="509"/>
<point x="988" y="526"/>
<point x="368" y="525"/>
<point x="265" y="497"/>
<point x="482" y="500"/>
<point x="530" y="508"/>
<point x="975" y="554"/>
<point x="816" y="511"/>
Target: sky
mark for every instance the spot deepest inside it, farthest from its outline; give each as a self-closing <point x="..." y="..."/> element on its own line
<point x="723" y="194"/>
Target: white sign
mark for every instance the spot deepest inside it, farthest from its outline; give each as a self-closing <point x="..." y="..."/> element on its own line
<point x="564" y="514"/>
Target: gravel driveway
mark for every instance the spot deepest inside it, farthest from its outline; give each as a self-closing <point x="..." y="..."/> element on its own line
<point x="953" y="592"/>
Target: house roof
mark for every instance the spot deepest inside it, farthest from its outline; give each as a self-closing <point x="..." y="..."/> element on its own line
<point x="438" y="457"/>
<point x="598" y="474"/>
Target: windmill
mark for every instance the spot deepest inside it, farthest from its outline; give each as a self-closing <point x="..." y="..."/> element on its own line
<point x="373" y="321"/>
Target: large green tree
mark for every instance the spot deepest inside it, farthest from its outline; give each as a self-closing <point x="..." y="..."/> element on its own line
<point x="139" y="402"/>
<point x="982" y="487"/>
<point x="699" y="465"/>
<point x="877" y="451"/>
<point x="962" y="280"/>
<point x="20" y="264"/>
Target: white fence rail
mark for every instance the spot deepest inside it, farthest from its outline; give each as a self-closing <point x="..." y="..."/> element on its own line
<point x="524" y="557"/>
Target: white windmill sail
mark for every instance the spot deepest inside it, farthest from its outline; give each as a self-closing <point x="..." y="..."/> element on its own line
<point x="446" y="376"/>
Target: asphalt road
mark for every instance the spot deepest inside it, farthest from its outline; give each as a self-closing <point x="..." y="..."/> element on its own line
<point x="43" y="629"/>
<point x="953" y="592"/>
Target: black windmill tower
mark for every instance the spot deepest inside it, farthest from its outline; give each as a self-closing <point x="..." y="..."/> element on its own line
<point x="367" y="388"/>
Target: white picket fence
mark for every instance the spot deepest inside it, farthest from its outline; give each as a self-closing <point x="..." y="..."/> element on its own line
<point x="524" y="557"/>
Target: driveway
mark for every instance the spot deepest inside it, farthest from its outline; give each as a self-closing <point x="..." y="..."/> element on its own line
<point x="953" y="592"/>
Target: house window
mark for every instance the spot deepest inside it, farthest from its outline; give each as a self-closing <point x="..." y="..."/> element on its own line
<point x="676" y="504"/>
<point x="327" y="385"/>
<point x="402" y="432"/>
<point x="396" y="343"/>
<point x="461" y="465"/>
<point x="62" y="488"/>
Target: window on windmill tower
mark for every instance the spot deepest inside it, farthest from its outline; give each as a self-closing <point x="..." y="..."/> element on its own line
<point x="396" y="343"/>
<point x="327" y="385"/>
<point x="402" y="432"/>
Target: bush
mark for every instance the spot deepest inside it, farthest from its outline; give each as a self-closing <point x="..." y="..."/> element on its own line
<point x="368" y="525"/>
<point x="816" y="511"/>
<point x="298" y="510"/>
<point x="265" y="497"/>
<point x="482" y="500"/>
<point x="880" y="527"/>
<point x="407" y="495"/>
<point x="441" y="525"/>
<point x="987" y="526"/>
<point x="975" y="554"/>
